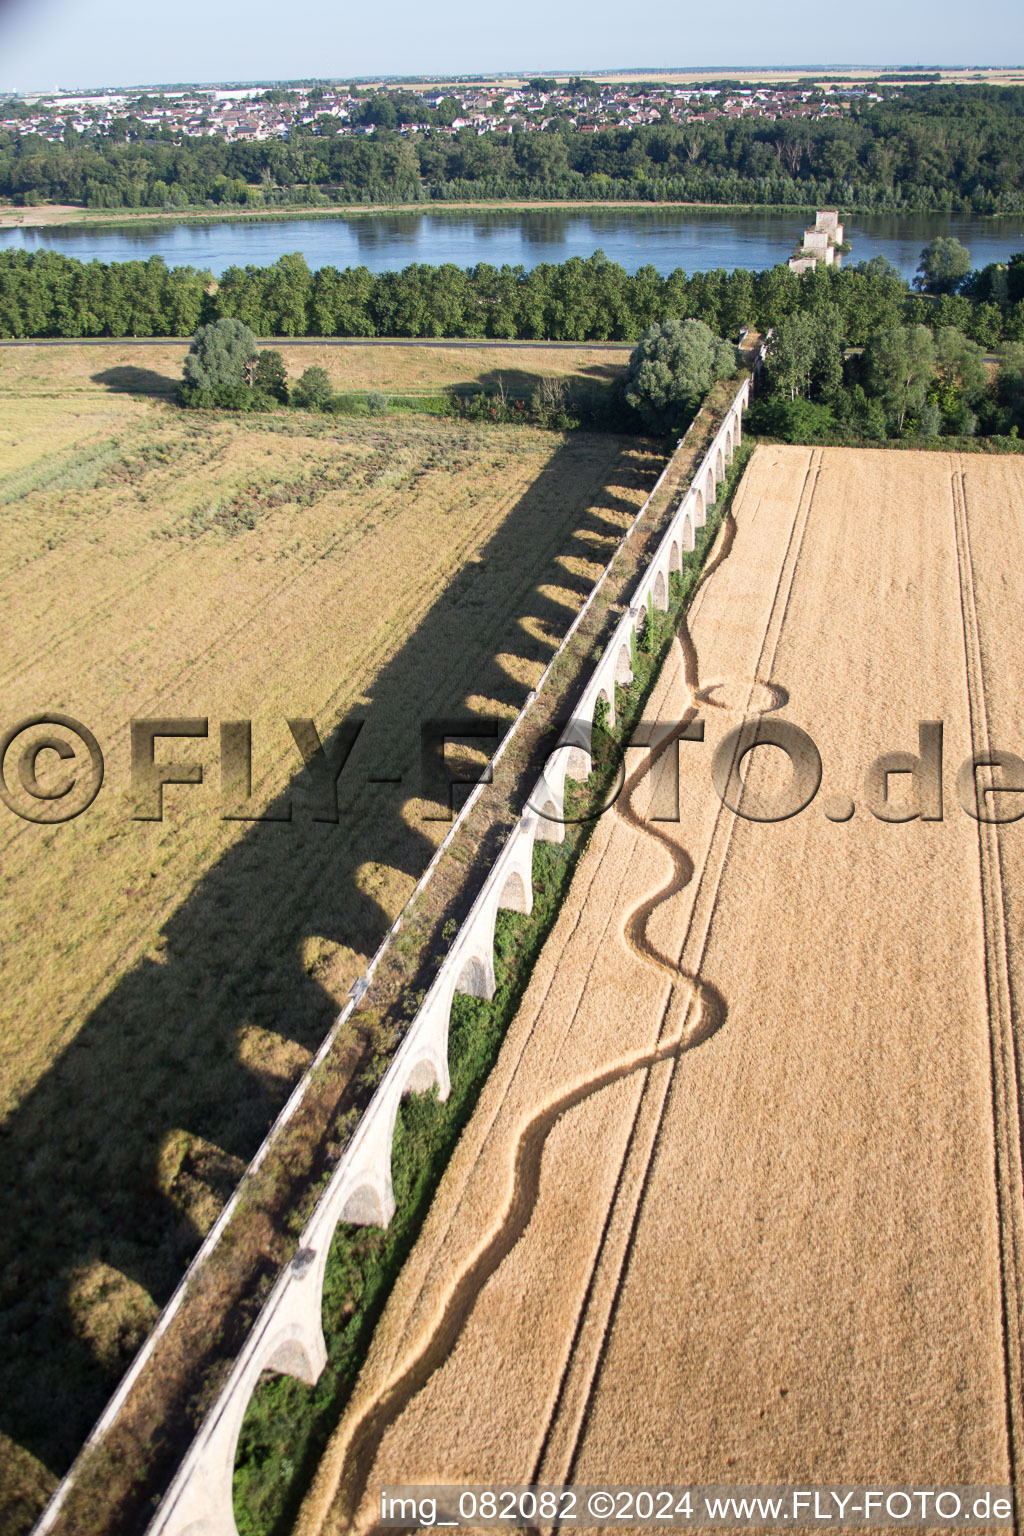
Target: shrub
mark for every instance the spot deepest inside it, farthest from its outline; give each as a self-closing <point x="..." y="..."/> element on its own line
<point x="483" y="406"/>
<point x="314" y="391"/>
<point x="550" y="404"/>
<point x="272" y="375"/>
<point x="794" y="421"/>
<point x="227" y="397"/>
<point x="649" y="633"/>
<point x="377" y="404"/>
<point x="344" y="405"/>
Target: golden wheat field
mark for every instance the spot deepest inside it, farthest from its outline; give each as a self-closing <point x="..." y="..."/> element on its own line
<point x="741" y="1201"/>
<point x="166" y="981"/>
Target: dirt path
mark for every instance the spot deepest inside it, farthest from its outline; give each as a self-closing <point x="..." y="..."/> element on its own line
<point x="788" y="1254"/>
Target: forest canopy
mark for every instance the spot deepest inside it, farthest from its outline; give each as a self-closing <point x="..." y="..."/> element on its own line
<point x="47" y="294"/>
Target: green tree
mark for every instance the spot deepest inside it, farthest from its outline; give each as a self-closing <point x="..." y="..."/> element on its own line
<point x="272" y="375"/>
<point x="827" y="368"/>
<point x="378" y="112"/>
<point x="1010" y="388"/>
<point x="805" y="355"/>
<point x="672" y="368"/>
<point x="287" y="287"/>
<point x="877" y="266"/>
<point x="986" y="325"/>
<point x="790" y="356"/>
<point x="222" y="355"/>
<point x="340" y="302"/>
<point x="314" y="389"/>
<point x="543" y="156"/>
<point x="898" y="364"/>
<point x="738" y="302"/>
<point x="951" y="309"/>
<point x="184" y="293"/>
<point x="943" y="266"/>
<point x="960" y="364"/>
<point x="929" y="421"/>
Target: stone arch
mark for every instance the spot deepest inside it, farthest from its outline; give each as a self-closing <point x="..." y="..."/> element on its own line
<point x="578" y="763"/>
<point x="687" y="535"/>
<point x="728" y="447"/>
<point x="549" y="824"/>
<point x="709" y="489"/>
<point x="609" y="699"/>
<point x="422" y="1076"/>
<point x="199" y="1502"/>
<point x="514" y="895"/>
<point x="659" y="591"/>
<point x="674" y="562"/>
<point x="424" y="1073"/>
<point x="698" y="510"/>
<point x="624" y="665"/>
<point x="289" y="1356"/>
<point x="472" y="978"/>
<point x="719" y="467"/>
<point x="365" y="1207"/>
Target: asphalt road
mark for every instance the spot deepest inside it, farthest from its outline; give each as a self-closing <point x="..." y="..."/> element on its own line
<point x="323" y="341"/>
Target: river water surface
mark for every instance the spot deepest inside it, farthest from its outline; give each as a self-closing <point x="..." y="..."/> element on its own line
<point x="696" y="239"/>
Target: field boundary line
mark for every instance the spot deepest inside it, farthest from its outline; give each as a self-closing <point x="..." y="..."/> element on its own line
<point x="1005" y="1062"/>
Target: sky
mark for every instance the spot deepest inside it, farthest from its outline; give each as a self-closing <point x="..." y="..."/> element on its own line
<point x="88" y="43"/>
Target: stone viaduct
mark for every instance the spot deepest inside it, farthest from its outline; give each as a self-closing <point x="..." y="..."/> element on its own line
<point x="288" y="1335"/>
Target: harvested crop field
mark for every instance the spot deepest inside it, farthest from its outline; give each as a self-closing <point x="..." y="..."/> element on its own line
<point x="741" y="1199"/>
<point x="405" y="369"/>
<point x="167" y="981"/>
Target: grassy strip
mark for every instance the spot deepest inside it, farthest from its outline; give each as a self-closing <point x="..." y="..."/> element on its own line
<point x="70" y="469"/>
<point x="288" y="1425"/>
<point x="357" y="403"/>
<point x="951" y="444"/>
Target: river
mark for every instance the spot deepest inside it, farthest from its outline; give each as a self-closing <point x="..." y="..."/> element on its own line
<point x="696" y="239"/>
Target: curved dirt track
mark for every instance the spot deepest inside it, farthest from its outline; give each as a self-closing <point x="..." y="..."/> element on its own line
<point x="790" y="1255"/>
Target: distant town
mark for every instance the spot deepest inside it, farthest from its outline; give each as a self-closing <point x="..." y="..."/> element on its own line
<point x="808" y="140"/>
<point x="255" y="113"/>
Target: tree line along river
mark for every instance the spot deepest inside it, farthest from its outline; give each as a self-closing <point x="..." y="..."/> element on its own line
<point x="696" y="239"/>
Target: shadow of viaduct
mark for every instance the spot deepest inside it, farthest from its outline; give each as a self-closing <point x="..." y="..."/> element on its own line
<point x="81" y="1157"/>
